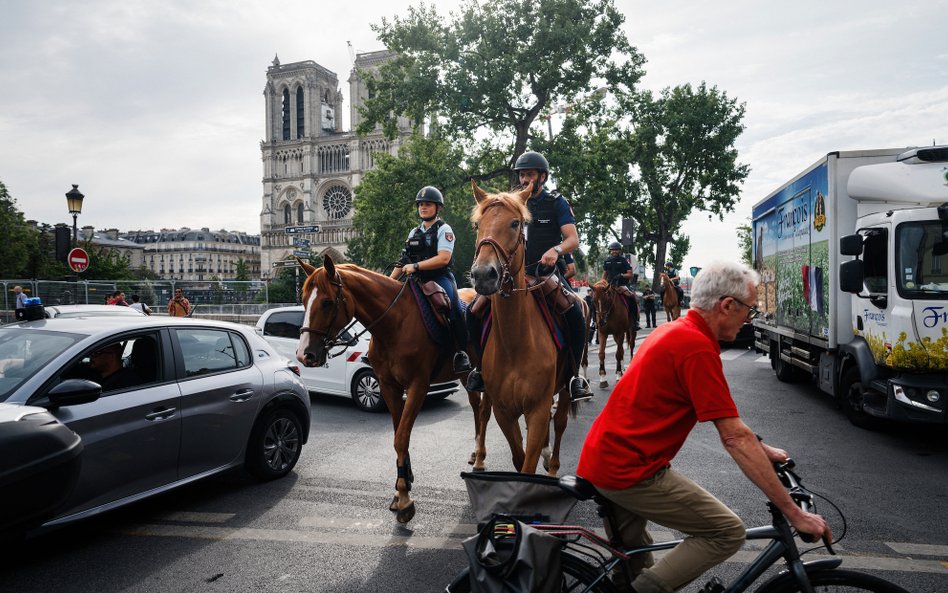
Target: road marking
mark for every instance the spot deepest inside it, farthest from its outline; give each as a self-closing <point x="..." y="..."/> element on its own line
<point x="376" y="540"/>
<point x="732" y="354"/>
<point x="191" y="517"/>
<point x="765" y="358"/>
<point x="918" y="549"/>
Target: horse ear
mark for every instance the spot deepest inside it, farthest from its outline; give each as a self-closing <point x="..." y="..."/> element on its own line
<point x="479" y="194"/>
<point x="329" y="266"/>
<point x="525" y="193"/>
<point x="306" y="267"/>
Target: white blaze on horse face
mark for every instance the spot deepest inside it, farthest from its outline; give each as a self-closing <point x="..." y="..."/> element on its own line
<point x="305" y="336"/>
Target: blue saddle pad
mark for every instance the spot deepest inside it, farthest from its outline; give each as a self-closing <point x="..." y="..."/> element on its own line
<point x="437" y="331"/>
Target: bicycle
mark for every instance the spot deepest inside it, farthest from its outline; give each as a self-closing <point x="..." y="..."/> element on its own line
<point x="588" y="560"/>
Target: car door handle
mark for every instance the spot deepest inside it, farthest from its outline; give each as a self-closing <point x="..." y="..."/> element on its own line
<point x="161" y="414"/>
<point x="242" y="395"/>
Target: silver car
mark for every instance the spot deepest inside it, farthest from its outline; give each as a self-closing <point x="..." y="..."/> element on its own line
<point x="157" y="401"/>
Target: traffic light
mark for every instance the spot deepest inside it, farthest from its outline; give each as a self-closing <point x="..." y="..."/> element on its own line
<point x="63" y="243"/>
<point x="694" y="271"/>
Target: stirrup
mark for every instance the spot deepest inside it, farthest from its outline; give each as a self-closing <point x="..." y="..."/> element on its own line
<point x="475" y="382"/>
<point x="579" y="389"/>
<point x="462" y="363"/>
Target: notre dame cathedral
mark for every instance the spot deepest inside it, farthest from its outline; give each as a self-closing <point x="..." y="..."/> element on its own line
<point x="310" y="164"/>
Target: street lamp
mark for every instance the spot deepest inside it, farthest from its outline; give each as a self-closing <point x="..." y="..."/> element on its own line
<point x="74" y="201"/>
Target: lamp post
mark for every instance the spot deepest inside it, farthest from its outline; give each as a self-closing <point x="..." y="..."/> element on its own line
<point x="74" y="202"/>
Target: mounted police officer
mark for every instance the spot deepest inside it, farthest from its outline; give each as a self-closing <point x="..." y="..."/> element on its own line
<point x="672" y="272"/>
<point x="428" y="255"/>
<point x="617" y="271"/>
<point x="550" y="235"/>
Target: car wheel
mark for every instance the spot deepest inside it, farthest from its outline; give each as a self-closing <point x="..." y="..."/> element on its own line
<point x="851" y="400"/>
<point x="366" y="392"/>
<point x="275" y="444"/>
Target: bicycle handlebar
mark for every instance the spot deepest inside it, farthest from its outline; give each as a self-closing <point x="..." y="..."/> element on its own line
<point x="801" y="496"/>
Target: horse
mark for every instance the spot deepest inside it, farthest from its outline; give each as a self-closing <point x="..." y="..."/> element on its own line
<point x="521" y="366"/>
<point x="613" y="319"/>
<point x="670" y="298"/>
<point x="402" y="355"/>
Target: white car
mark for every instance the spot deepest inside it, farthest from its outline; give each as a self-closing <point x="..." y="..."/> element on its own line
<point x="347" y="374"/>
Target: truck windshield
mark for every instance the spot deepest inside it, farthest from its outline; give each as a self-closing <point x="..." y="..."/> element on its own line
<point x="922" y="260"/>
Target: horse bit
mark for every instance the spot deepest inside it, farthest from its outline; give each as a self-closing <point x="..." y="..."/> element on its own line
<point x="506" y="279"/>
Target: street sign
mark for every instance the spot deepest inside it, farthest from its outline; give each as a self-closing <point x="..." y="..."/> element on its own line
<point x="694" y="270"/>
<point x="300" y="242"/>
<point x="292" y="230"/>
<point x="284" y="263"/>
<point x="628" y="231"/>
<point x="301" y="253"/>
<point x="78" y="260"/>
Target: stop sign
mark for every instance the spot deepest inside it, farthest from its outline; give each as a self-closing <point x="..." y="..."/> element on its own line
<point x="78" y="260"/>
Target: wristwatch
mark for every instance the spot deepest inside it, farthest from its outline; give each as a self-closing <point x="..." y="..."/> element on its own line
<point x="558" y="249"/>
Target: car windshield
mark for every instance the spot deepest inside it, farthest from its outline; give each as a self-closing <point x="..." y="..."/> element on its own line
<point x="921" y="271"/>
<point x="23" y="353"/>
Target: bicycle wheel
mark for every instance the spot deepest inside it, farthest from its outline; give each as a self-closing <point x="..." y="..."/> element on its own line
<point x="577" y="576"/>
<point x="834" y="581"/>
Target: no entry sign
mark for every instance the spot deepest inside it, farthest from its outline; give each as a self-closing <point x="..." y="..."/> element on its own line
<point x="78" y="260"/>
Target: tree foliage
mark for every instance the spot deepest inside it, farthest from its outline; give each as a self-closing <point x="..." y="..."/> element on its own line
<point x="495" y="67"/>
<point x="745" y="242"/>
<point x="19" y="239"/>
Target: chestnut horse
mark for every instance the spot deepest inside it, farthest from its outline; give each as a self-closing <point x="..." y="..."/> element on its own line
<point x="670" y="298"/>
<point x="521" y="366"/>
<point x="613" y="319"/>
<point x="402" y="354"/>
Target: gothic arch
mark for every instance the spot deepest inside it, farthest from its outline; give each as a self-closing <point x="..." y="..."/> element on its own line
<point x="333" y="253"/>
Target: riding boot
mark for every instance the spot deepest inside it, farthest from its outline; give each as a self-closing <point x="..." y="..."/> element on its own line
<point x="462" y="363"/>
<point x="576" y="328"/>
<point x="475" y="382"/>
<point x="634" y="312"/>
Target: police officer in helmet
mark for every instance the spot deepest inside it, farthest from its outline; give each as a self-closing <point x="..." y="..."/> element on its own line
<point x="618" y="271"/>
<point x="550" y="235"/>
<point x="672" y="272"/>
<point x="428" y="255"/>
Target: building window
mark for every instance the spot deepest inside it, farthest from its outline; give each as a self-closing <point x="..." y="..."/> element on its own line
<point x="286" y="215"/>
<point x="299" y="213"/>
<point x="286" y="114"/>
<point x="337" y="202"/>
<point x="299" y="112"/>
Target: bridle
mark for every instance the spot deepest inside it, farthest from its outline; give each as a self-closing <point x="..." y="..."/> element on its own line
<point x="506" y="278"/>
<point x="338" y="301"/>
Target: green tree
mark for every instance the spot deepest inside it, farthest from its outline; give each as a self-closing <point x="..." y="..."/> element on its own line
<point x="19" y="239"/>
<point x="494" y="68"/>
<point x="385" y="202"/>
<point x="678" y="250"/>
<point x="241" y="270"/>
<point x="745" y="242"/>
<point x="107" y="264"/>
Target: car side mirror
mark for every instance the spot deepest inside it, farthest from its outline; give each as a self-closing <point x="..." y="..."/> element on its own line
<point x="851" y="276"/>
<point x="851" y="245"/>
<point x="72" y="392"/>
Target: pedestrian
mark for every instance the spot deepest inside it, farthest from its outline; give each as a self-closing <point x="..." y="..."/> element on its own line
<point x="140" y="306"/>
<point x="551" y="234"/>
<point x="674" y="381"/>
<point x="20" y="297"/>
<point x="179" y="306"/>
<point x="649" y="306"/>
<point x="118" y="298"/>
<point x="617" y="271"/>
<point x="428" y="254"/>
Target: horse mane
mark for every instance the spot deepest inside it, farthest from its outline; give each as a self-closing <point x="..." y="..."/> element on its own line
<point x="600" y="284"/>
<point x="506" y="199"/>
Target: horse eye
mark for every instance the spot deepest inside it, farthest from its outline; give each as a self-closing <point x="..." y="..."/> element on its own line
<point x="326" y="303"/>
<point x="515" y="224"/>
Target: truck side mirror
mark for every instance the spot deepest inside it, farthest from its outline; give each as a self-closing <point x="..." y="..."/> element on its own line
<point x="851" y="276"/>
<point x="850" y="245"/>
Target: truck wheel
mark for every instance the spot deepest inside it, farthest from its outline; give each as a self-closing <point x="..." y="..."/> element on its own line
<point x="850" y="398"/>
<point x="784" y="370"/>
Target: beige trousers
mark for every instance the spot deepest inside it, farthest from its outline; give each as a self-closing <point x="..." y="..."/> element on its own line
<point x="713" y="532"/>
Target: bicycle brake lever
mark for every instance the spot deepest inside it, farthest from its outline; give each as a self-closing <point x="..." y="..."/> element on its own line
<point x="829" y="546"/>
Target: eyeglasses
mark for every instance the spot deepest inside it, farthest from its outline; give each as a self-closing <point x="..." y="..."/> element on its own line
<point x="752" y="312"/>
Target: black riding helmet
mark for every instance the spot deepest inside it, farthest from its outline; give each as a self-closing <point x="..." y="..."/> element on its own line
<point x="532" y="160"/>
<point x="615" y="245"/>
<point x="430" y="194"/>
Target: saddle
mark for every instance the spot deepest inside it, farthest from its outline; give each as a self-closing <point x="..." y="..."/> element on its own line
<point x="558" y="297"/>
<point x="436" y="296"/>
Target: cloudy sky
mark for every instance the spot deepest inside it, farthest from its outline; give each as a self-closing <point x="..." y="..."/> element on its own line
<point x="156" y="109"/>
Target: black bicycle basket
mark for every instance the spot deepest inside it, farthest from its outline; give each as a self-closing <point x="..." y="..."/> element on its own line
<point x="531" y="498"/>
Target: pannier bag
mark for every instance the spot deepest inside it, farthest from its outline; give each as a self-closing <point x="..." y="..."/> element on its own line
<point x="528" y="497"/>
<point x="508" y="556"/>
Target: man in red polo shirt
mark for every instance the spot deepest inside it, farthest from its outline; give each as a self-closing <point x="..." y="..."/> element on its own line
<point x="675" y="381"/>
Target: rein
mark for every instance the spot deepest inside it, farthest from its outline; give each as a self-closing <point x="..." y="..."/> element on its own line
<point x="340" y="298"/>
<point x="506" y="280"/>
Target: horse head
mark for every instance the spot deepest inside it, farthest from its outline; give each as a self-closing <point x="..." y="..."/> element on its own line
<point x="500" y="220"/>
<point x="327" y="312"/>
<point x="602" y="294"/>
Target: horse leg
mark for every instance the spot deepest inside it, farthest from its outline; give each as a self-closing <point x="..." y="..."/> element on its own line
<point x="538" y="436"/>
<point x="560" y="419"/>
<point x="620" y="353"/>
<point x="403" y="506"/>
<point x="481" y="405"/>
<point x="510" y="426"/>
<point x="603" y="339"/>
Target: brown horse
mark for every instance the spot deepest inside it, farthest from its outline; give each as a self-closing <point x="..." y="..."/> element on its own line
<point x="670" y="298"/>
<point x="612" y="319"/>
<point x="521" y="367"/>
<point x="403" y="356"/>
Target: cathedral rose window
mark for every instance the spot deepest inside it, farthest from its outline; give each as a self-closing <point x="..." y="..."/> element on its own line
<point x="337" y="201"/>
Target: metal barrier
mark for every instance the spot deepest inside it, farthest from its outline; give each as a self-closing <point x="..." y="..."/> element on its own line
<point x="154" y="293"/>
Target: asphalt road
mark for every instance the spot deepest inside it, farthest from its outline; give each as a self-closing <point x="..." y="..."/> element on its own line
<point x="326" y="527"/>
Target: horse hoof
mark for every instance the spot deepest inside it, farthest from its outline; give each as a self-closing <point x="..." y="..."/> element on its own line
<point x="603" y="384"/>
<point x="394" y="506"/>
<point x="405" y="515"/>
<point x="472" y="459"/>
<point x="478" y="469"/>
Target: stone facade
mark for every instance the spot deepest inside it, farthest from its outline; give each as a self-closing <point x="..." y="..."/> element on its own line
<point x="310" y="165"/>
<point x="201" y="255"/>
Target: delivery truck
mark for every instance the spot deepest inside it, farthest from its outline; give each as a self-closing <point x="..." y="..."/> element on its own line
<point x="853" y="261"/>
